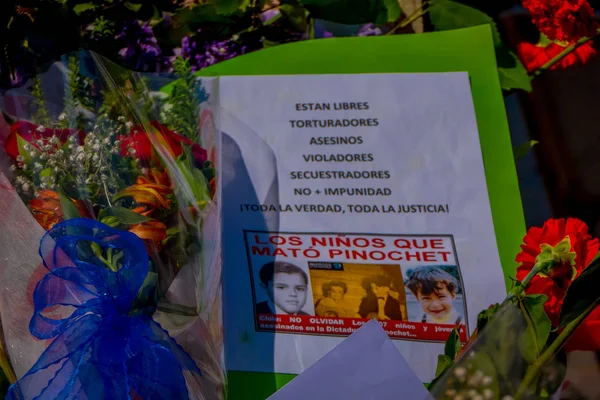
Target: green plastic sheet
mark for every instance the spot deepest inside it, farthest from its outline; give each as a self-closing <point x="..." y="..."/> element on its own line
<point x="468" y="50"/>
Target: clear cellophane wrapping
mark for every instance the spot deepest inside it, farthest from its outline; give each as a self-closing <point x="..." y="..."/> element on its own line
<point x="88" y="139"/>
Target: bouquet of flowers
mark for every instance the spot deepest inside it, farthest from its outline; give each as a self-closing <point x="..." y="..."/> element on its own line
<point x="115" y="188"/>
<point x="517" y="349"/>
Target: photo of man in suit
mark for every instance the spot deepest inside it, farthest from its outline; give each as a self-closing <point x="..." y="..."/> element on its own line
<point x="286" y="286"/>
<point x="378" y="303"/>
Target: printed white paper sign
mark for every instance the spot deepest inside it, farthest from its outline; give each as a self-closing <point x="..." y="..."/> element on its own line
<point x="348" y="198"/>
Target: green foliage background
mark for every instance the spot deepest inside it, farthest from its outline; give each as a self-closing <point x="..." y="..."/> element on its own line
<point x="35" y="33"/>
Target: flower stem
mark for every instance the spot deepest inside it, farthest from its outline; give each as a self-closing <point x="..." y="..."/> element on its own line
<point x="533" y="371"/>
<point x="518" y="290"/>
<point x="564" y="53"/>
<point x="534" y="271"/>
<point x="5" y="365"/>
<point x="418" y="13"/>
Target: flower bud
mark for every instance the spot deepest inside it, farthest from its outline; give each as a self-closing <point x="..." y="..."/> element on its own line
<point x="111" y="221"/>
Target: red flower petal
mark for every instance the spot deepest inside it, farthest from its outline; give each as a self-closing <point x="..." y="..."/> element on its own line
<point x="535" y="57"/>
<point x="138" y="140"/>
<point x="582" y="55"/>
<point x="553" y="232"/>
<point x="532" y="56"/>
<point x="29" y="132"/>
<point x="587" y="336"/>
<point x="556" y="294"/>
<point x="563" y="20"/>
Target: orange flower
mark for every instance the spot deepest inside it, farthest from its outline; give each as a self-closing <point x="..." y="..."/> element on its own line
<point x="46" y="209"/>
<point x="142" y="210"/>
<point x="150" y="191"/>
<point x="213" y="186"/>
<point x="150" y="194"/>
<point x="156" y="177"/>
<point x="152" y="233"/>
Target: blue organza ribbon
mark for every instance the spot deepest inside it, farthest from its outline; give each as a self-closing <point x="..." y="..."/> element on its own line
<point x="100" y="349"/>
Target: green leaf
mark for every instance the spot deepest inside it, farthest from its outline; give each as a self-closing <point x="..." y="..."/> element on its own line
<point x="444" y="363"/>
<point x="69" y="208"/>
<point x="346" y="11"/>
<point x="453" y="345"/>
<point x="448" y="15"/>
<point x="4" y="382"/>
<point x="538" y="326"/>
<point x="582" y="296"/>
<point x="125" y="215"/>
<point x="147" y="295"/>
<point x="391" y="13"/>
<point x="111" y="221"/>
<point x="172" y="231"/>
<point x="514" y="77"/>
<point x="177" y="309"/>
<point x="229" y="7"/>
<point x="81" y="8"/>
<point x="544" y="40"/>
<point x="194" y="178"/>
<point x="46" y="173"/>
<point x="596" y="257"/>
<point x="270" y="43"/>
<point x="135" y="7"/>
<point x="295" y="16"/>
<point x="522" y="150"/>
<point x="202" y="14"/>
<point x="156" y="15"/>
<point x="22" y="152"/>
<point x="485" y="316"/>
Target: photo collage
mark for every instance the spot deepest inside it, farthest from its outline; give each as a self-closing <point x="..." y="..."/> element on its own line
<point x="427" y="294"/>
<point x="417" y="290"/>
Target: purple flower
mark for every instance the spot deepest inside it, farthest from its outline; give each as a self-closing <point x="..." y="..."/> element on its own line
<point x="140" y="45"/>
<point x="204" y="54"/>
<point x="369" y="30"/>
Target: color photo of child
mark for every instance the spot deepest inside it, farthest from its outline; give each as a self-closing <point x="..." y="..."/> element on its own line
<point x="438" y="294"/>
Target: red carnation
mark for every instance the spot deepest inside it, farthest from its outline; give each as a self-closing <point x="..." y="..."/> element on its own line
<point x="563" y="20"/>
<point x="555" y="291"/>
<point x="535" y="57"/>
<point x="31" y="133"/>
<point x="139" y="141"/>
<point x="587" y="335"/>
<point x="555" y="285"/>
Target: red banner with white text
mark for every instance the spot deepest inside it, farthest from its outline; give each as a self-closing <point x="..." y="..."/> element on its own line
<point x="305" y="324"/>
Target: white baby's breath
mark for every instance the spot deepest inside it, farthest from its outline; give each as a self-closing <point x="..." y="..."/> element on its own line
<point x="460" y="372"/>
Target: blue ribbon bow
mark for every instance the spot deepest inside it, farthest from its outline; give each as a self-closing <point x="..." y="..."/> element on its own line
<point x="100" y="350"/>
